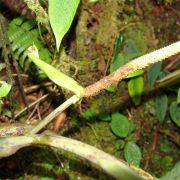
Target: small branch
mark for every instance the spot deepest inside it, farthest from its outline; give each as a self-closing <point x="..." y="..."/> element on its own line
<point x="132" y="66"/>
<point x="74" y="99"/>
<point x="36" y="87"/>
<point x="20" y="82"/>
<point x="41" y="15"/>
<point x="155" y="139"/>
<point x="168" y="80"/>
<point x="111" y="165"/>
<point x="31" y="105"/>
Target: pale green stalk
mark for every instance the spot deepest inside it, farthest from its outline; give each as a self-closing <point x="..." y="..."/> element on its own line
<point x="53" y="114"/>
<point x="112" y="166"/>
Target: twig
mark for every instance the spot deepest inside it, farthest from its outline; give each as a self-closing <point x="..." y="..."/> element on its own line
<point x="20" y="82"/>
<point x="22" y="75"/>
<point x="155" y="138"/>
<point x="35" y="109"/>
<point x="31" y="105"/>
<point x="36" y="87"/>
<point x="74" y="99"/>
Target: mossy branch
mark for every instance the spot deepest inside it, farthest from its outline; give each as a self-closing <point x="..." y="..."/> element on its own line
<point x="132" y="66"/>
<point x="112" y="166"/>
<point x="41" y="15"/>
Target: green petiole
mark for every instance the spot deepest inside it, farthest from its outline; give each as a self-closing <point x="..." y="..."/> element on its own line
<point x="56" y="76"/>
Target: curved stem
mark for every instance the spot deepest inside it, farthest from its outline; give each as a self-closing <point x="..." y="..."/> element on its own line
<point x="112" y="166"/>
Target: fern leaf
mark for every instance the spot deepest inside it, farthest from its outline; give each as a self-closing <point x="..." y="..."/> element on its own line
<point x="23" y="34"/>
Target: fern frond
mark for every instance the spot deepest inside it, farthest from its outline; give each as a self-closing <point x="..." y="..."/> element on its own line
<point x="23" y="34"/>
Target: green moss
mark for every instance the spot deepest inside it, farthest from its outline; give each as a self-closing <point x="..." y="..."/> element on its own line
<point x="99" y="135"/>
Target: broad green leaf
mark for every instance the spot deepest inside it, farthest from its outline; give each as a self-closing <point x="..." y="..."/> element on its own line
<point x="117" y="47"/>
<point x="131" y="50"/>
<point x="161" y="104"/>
<point x="136" y="73"/>
<point x="117" y="63"/>
<point x="61" y="14"/>
<point x="153" y="73"/>
<point x="175" y="113"/>
<point x="131" y="47"/>
<point x="135" y="89"/>
<point x="174" y="174"/>
<point x="117" y="60"/>
<point x="120" y="125"/>
<point x="4" y="89"/>
<point x="56" y="76"/>
<point x="132" y="153"/>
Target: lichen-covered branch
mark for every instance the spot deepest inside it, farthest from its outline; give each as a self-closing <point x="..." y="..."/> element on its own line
<point x="132" y="66"/>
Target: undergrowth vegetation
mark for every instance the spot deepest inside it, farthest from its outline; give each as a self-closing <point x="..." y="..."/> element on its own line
<point x="89" y="54"/>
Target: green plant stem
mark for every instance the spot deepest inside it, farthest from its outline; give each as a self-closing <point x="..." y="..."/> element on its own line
<point x="106" y="162"/>
<point x="168" y="80"/>
<point x="112" y="166"/>
<point x="53" y="114"/>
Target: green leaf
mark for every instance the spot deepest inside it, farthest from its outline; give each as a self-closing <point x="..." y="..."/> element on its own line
<point x="117" y="63"/>
<point x="112" y="88"/>
<point x="161" y="104"/>
<point x="90" y="113"/>
<point x="1" y="105"/>
<point x="117" y="47"/>
<point x="120" y="125"/>
<point x="153" y="73"/>
<point x="136" y="73"/>
<point x="132" y="154"/>
<point x="61" y="14"/>
<point x="4" y="89"/>
<point x="174" y="174"/>
<point x="117" y="60"/>
<point x="175" y="113"/>
<point x="135" y="89"/>
<point x="163" y="74"/>
<point x="56" y="76"/>
<point x="178" y="96"/>
<point x="23" y="34"/>
<point x="131" y="47"/>
<point x="105" y="117"/>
